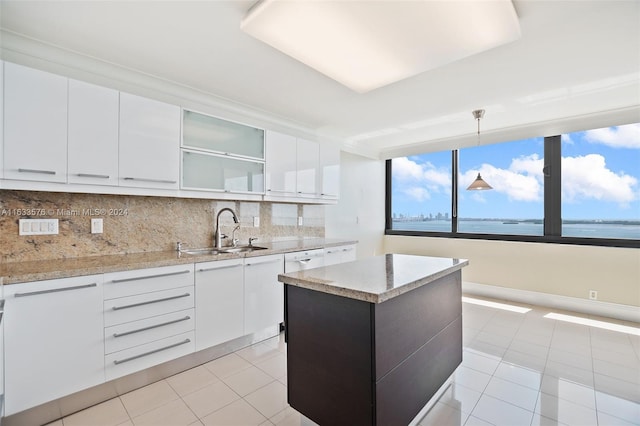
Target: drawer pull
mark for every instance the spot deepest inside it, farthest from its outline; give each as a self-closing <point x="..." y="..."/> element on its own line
<point x="131" y="358"/>
<point x="55" y="290"/>
<point x="126" y="333"/>
<point x="164" y="299"/>
<point x="151" y="180"/>
<point x="91" y="175"/>
<point x="216" y="268"/>
<point x="43" y="172"/>
<point x="124" y="280"/>
<point x="264" y="263"/>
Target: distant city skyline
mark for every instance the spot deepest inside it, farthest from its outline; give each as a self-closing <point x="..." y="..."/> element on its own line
<point x="600" y="178"/>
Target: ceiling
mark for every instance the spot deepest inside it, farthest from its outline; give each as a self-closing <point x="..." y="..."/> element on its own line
<point x="575" y="60"/>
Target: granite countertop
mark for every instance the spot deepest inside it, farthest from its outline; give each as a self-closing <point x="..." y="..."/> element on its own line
<point x="18" y="272"/>
<point x="375" y="279"/>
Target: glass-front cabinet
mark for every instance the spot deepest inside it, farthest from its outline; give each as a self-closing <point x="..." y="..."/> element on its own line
<point x="220" y="155"/>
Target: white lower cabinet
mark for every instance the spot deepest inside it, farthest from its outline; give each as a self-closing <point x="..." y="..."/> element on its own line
<point x="219" y="302"/>
<point x="339" y="254"/>
<point x="53" y="340"/>
<point x="149" y="318"/>
<point x="263" y="293"/>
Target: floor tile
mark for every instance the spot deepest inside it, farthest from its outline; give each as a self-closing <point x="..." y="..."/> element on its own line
<point x="56" y="423"/>
<point x="618" y="371"/>
<point x="494" y="339"/>
<point x="539" y="420"/>
<point x="565" y="411"/>
<point x="191" y="380"/>
<point x="570" y="373"/>
<point x="443" y="414"/>
<point x="609" y="420"/>
<point x="148" y="398"/>
<point x="582" y="361"/>
<point x="513" y="393"/>
<point x="270" y="399"/>
<point x="275" y="366"/>
<point x="175" y="413"/>
<point x="238" y="413"/>
<point x="570" y="391"/>
<point x="290" y="417"/>
<point x="529" y="348"/>
<point x="111" y="412"/>
<point x="471" y="379"/>
<point x="479" y="361"/>
<point x="210" y="398"/>
<point x="227" y="365"/>
<point x="258" y="352"/>
<point x="616" y="387"/>
<point x="248" y="380"/>
<point x="460" y="397"/>
<point x="519" y="375"/>
<point x="525" y="360"/>
<point x="629" y="358"/>
<point x="500" y="413"/>
<point x="618" y="407"/>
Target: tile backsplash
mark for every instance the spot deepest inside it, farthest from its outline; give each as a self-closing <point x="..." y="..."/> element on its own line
<point x="139" y="224"/>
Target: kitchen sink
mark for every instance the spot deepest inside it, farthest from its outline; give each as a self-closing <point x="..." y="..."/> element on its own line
<point x="240" y="249"/>
<point x="210" y="250"/>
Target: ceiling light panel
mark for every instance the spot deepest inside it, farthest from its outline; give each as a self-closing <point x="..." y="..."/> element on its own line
<point x="369" y="44"/>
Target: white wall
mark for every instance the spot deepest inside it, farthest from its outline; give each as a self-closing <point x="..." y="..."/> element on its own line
<point x="359" y="214"/>
<point x="566" y="270"/>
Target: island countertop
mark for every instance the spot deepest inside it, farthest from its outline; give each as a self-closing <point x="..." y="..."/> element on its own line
<point x="375" y="279"/>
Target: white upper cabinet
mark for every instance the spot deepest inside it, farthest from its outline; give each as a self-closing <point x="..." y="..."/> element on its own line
<point x="200" y="131"/>
<point x="35" y="125"/>
<point x="93" y="134"/>
<point x="308" y="162"/>
<point x="149" y="143"/>
<point x="281" y="169"/>
<point x="221" y="156"/>
<point x="330" y="171"/>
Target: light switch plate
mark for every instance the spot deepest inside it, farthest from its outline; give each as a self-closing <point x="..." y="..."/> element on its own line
<point x="38" y="227"/>
<point x="300" y="221"/>
<point x="96" y="225"/>
<point x="256" y="221"/>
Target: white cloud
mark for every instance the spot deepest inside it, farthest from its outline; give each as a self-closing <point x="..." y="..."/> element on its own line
<point x="627" y="136"/>
<point x="419" y="181"/>
<point x="522" y="181"/>
<point x="587" y="177"/>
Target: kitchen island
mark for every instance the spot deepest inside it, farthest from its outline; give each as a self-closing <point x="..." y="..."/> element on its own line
<point x="370" y="342"/>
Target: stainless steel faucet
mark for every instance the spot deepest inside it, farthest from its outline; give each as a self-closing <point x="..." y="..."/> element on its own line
<point x="217" y="237"/>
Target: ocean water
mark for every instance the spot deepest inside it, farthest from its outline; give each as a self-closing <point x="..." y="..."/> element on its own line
<point x="583" y="230"/>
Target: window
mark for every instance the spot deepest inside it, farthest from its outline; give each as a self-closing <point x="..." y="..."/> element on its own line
<point x="515" y="205"/>
<point x="601" y="183"/>
<point x="589" y="193"/>
<point x="422" y="192"/>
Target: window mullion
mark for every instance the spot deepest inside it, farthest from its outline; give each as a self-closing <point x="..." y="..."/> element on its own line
<point x="552" y="186"/>
<point x="454" y="191"/>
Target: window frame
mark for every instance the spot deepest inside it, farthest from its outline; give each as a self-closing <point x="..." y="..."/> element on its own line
<point x="552" y="220"/>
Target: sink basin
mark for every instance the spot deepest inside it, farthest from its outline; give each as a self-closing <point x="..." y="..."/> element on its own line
<point x="240" y="249"/>
<point x="201" y="251"/>
<point x="210" y="250"/>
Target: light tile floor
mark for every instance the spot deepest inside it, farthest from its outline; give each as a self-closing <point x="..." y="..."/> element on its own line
<point x="517" y="369"/>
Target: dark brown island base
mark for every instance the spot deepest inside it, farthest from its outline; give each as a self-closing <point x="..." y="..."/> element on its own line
<point x="370" y="342"/>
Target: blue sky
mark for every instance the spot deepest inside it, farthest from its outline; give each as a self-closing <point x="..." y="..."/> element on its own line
<point x="601" y="178"/>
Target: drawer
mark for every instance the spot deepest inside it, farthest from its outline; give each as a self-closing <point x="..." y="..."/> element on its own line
<point x="129" y="361"/>
<point x="128" y="283"/>
<point x="141" y="306"/>
<point x="131" y="334"/>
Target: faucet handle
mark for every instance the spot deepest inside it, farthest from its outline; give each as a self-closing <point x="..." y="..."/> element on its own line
<point x="251" y="240"/>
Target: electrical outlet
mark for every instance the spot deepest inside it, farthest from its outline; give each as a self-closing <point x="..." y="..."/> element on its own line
<point x="256" y="221"/>
<point x="96" y="226"/>
<point x="300" y="221"/>
<point x="38" y="227"/>
<point x="593" y="295"/>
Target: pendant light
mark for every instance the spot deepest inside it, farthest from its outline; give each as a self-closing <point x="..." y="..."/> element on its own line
<point x="479" y="184"/>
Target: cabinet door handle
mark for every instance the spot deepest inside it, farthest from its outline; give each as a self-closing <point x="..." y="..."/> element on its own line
<point x="304" y="260"/>
<point x="91" y="175"/>
<point x="43" y="172"/>
<point x="279" y="190"/>
<point x="164" y="299"/>
<point x="168" y="274"/>
<point x="264" y="263"/>
<point x="347" y="249"/>
<point x="55" y="290"/>
<point x="215" y="268"/>
<point x="151" y="180"/>
<point x="131" y="358"/>
<point x="151" y="327"/>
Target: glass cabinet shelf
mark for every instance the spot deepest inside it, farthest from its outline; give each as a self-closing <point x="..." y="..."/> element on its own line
<point x="213" y="172"/>
<point x="202" y="131"/>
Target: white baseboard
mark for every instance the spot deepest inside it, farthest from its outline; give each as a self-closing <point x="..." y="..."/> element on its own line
<point x="591" y="307"/>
